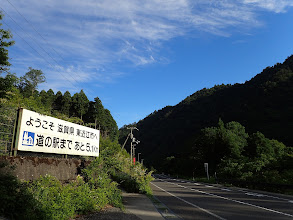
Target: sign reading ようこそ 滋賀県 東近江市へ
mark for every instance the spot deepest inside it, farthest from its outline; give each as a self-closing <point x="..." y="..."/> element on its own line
<point x="41" y="133"/>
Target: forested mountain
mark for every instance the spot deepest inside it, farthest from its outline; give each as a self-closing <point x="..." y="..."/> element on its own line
<point x="264" y="104"/>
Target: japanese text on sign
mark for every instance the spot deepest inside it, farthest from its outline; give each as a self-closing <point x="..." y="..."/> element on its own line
<point x="46" y="134"/>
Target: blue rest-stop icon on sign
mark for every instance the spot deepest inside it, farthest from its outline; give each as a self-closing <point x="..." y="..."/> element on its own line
<point x="28" y="138"/>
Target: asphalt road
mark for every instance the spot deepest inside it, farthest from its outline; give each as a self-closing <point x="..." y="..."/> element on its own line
<point x="192" y="200"/>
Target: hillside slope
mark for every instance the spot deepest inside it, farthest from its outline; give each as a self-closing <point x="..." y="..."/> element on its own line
<point x="264" y="103"/>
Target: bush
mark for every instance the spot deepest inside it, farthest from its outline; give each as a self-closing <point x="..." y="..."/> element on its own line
<point x="97" y="177"/>
<point x="48" y="198"/>
<point x="65" y="201"/>
<point x="82" y="197"/>
<point x="16" y="201"/>
<point x="54" y="198"/>
<point x="135" y="182"/>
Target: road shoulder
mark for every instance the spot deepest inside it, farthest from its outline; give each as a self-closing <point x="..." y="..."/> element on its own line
<point x="141" y="206"/>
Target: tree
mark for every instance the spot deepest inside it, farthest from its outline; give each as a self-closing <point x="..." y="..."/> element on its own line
<point x="80" y="103"/>
<point x="66" y="103"/>
<point x="7" y="84"/>
<point x="235" y="138"/>
<point x="99" y="113"/>
<point x="43" y="95"/>
<point x="225" y="142"/>
<point x="111" y="128"/>
<point x="57" y="104"/>
<point x="30" y="81"/>
<point x="4" y="44"/>
<point x="50" y="99"/>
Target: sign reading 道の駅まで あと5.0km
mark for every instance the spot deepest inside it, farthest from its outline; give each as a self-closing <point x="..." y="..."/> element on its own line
<point x="41" y="133"/>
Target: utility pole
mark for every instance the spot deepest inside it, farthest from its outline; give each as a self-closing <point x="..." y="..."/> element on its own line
<point x="138" y="156"/>
<point x="131" y="136"/>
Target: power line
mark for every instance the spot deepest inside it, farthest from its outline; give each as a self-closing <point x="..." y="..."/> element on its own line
<point x="34" y="29"/>
<point x="40" y="36"/>
<point x="34" y="40"/>
<point x="35" y="49"/>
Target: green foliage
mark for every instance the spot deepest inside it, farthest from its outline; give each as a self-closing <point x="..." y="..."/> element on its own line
<point x="241" y="156"/>
<point x="48" y="198"/>
<point x="22" y="92"/>
<point x="5" y="42"/>
<point x="30" y="81"/>
<point x="16" y="201"/>
<point x="137" y="180"/>
<point x="54" y="198"/>
<point x="80" y="104"/>
<point x="116" y="163"/>
<point x="264" y="104"/>
<point x="57" y="104"/>
<point x="66" y="103"/>
<point x="102" y="119"/>
<point x="7" y="84"/>
<point x="78" y="197"/>
<point x="15" y="95"/>
<point x="83" y="198"/>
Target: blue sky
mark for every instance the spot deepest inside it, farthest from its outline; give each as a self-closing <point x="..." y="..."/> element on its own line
<point x="140" y="56"/>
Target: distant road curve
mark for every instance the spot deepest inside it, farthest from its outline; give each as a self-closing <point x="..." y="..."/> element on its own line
<point x="193" y="200"/>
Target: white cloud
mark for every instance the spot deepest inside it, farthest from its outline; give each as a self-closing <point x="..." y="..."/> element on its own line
<point x="93" y="36"/>
<point x="271" y="5"/>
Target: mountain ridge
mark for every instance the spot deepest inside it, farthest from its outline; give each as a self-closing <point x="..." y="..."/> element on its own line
<point x="264" y="103"/>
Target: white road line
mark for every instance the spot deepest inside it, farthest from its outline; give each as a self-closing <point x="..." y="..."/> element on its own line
<point x="240" y="202"/>
<point x="181" y="186"/>
<point x="208" y="186"/>
<point x="245" y="203"/>
<point x="189" y="203"/>
<point x="254" y="194"/>
<point x="246" y="191"/>
<point x="268" y="196"/>
<point x="249" y="193"/>
<point x="226" y="189"/>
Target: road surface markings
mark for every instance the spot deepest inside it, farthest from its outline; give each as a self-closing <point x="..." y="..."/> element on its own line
<point x="189" y="203"/>
<point x="245" y="191"/>
<point x="228" y="190"/>
<point x="268" y="196"/>
<point x="236" y="201"/>
<point x="181" y="186"/>
<point x="254" y="194"/>
<point x="244" y="203"/>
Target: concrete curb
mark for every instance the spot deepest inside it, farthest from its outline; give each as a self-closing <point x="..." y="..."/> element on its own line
<point x="163" y="209"/>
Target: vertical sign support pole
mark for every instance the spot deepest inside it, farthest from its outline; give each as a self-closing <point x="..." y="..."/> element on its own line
<point x="206" y="167"/>
<point x="16" y="129"/>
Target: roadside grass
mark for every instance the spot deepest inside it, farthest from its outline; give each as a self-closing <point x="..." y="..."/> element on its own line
<point x="97" y="187"/>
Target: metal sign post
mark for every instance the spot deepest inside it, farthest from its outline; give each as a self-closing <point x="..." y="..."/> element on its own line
<point x="206" y="168"/>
